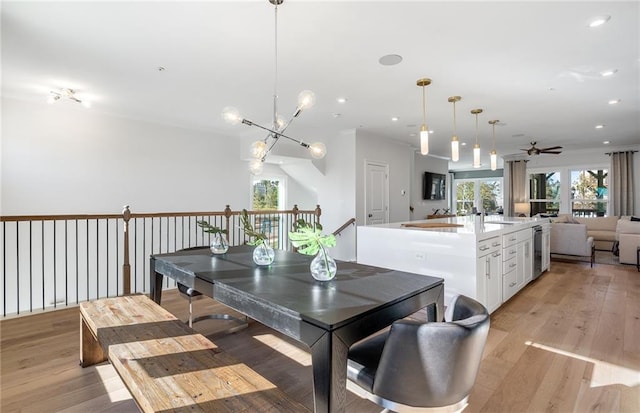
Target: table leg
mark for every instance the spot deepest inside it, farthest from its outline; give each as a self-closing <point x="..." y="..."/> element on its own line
<point x="329" y="361"/>
<point x="155" y="282"/>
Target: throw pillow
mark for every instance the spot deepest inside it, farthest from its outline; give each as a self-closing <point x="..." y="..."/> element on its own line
<point x="635" y="219"/>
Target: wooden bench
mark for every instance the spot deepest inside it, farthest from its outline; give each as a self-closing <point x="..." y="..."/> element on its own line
<point x="167" y="366"/>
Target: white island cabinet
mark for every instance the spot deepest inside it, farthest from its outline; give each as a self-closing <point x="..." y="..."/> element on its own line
<point x="488" y="260"/>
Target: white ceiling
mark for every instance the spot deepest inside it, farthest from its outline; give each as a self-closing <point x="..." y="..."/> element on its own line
<point x="533" y="65"/>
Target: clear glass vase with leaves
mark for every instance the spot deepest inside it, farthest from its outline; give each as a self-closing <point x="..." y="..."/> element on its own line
<point x="309" y="240"/>
<point x="219" y="243"/>
<point x="263" y="254"/>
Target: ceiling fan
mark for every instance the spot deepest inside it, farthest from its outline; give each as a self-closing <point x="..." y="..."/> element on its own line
<point x="537" y="151"/>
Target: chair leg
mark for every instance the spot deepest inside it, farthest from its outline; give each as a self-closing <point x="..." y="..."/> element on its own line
<point x="593" y="255"/>
<point x="190" y="312"/>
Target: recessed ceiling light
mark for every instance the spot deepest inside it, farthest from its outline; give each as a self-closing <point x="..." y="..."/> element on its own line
<point x="341" y="100"/>
<point x="160" y="69"/>
<point x="598" y="21"/>
<point x="390" y="60"/>
<point x="336" y="115"/>
<point x="609" y="72"/>
<point x="606" y="142"/>
<point x="413" y="134"/>
<point x="394" y="119"/>
<point x="599" y="126"/>
<point x="463" y="143"/>
<point x="614" y="101"/>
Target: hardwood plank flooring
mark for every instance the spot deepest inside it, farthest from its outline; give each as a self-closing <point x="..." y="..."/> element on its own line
<point x="568" y="342"/>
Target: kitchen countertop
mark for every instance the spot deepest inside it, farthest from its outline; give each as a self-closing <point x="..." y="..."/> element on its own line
<point x="471" y="225"/>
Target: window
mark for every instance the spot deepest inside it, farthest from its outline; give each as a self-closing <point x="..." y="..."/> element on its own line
<point x="267" y="194"/>
<point x="589" y="192"/>
<point x="485" y="192"/>
<point x="544" y="192"/>
<point x="465" y="197"/>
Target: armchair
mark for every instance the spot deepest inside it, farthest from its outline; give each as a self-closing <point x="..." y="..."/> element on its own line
<point x="418" y="366"/>
<point x="628" y="233"/>
<point x="572" y="239"/>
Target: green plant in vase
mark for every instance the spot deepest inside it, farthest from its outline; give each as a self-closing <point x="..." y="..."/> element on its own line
<point x="309" y="240"/>
<point x="219" y="243"/>
<point x="263" y="254"/>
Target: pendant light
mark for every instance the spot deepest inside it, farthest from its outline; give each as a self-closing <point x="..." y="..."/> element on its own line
<point x="424" y="131"/>
<point x="494" y="154"/>
<point x="476" y="147"/>
<point x="455" y="145"/>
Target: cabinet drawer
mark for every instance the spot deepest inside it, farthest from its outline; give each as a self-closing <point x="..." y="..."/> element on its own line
<point x="509" y="239"/>
<point x="509" y="252"/>
<point x="509" y="265"/>
<point x="509" y="285"/>
<point x="489" y="245"/>
<point x="524" y="235"/>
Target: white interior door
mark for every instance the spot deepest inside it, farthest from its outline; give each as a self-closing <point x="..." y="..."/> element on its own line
<point x="377" y="193"/>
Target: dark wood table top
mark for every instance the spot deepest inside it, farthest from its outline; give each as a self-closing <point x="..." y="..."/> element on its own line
<point x="288" y="286"/>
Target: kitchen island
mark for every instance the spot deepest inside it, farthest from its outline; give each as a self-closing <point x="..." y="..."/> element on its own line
<point x="487" y="259"/>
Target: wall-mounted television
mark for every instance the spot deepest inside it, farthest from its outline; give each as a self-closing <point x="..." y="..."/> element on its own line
<point x="434" y="186"/>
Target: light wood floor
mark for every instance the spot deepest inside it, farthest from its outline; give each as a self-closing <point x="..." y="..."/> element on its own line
<point x="569" y="342"/>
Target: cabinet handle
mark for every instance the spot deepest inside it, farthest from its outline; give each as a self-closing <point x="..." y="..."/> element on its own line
<point x="495" y="244"/>
<point x="512" y="284"/>
<point x="512" y="265"/>
<point x="484" y="248"/>
<point x="495" y="254"/>
<point x="488" y="268"/>
<point x="512" y="252"/>
<point x="512" y="239"/>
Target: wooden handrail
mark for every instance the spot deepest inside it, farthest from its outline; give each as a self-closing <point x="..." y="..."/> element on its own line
<point x="62" y="275"/>
<point x="344" y="226"/>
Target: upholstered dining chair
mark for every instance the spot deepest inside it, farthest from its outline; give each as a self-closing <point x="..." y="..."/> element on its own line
<point x="422" y="367"/>
<point x="192" y="294"/>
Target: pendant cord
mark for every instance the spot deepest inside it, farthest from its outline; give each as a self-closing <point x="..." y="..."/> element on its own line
<point x="494" y="136"/>
<point x="455" y="130"/>
<point x="476" y="128"/>
<point x="424" y="107"/>
<point x="275" y="82"/>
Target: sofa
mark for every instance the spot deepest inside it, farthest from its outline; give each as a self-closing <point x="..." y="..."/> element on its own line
<point x="602" y="229"/>
<point x="572" y="239"/>
<point x="628" y="233"/>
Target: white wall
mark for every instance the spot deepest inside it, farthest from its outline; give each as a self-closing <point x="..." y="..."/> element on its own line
<point x="67" y="159"/>
<point x="336" y="194"/>
<point x="399" y="157"/>
<point x="422" y="164"/>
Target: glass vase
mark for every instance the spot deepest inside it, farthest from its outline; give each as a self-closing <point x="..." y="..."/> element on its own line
<point x="323" y="267"/>
<point x="219" y="244"/>
<point x="263" y="254"/>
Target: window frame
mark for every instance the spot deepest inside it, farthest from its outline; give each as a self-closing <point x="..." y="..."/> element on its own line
<point x="477" y="199"/>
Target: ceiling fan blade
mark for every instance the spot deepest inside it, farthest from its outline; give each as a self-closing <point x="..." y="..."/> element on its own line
<point x="551" y="148"/>
<point x="554" y="152"/>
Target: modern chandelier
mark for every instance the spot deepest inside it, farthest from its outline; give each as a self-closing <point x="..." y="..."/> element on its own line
<point x="261" y="149"/>
<point x="66" y="93"/>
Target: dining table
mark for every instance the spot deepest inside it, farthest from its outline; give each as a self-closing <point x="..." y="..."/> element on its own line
<point x="327" y="316"/>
